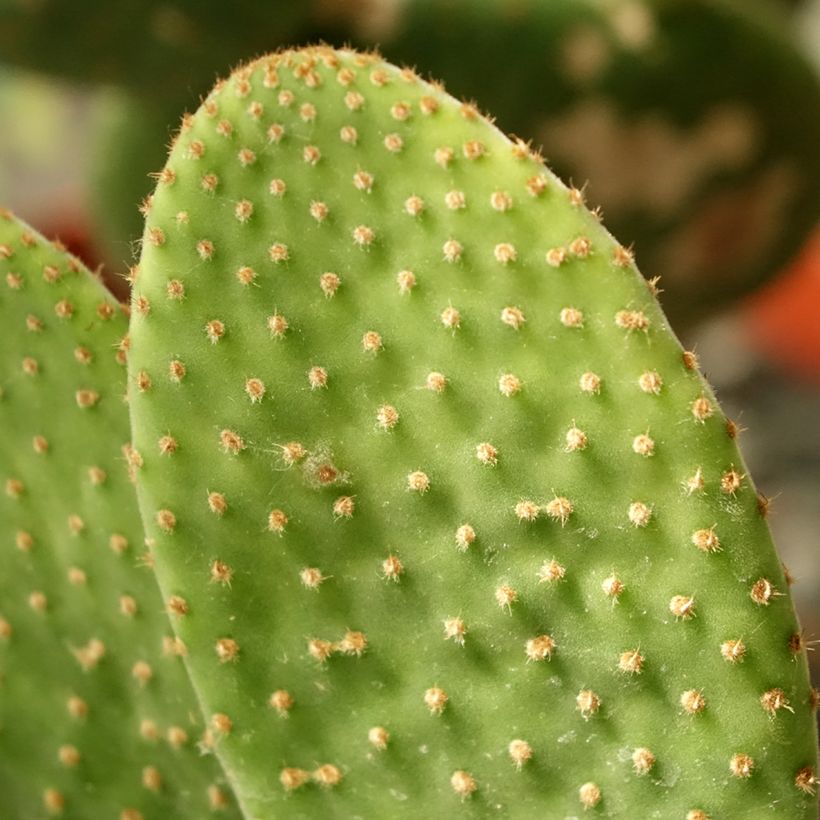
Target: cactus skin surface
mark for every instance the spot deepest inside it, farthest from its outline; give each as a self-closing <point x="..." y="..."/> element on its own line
<point x="457" y="524"/>
<point x="172" y="44"/>
<point x="97" y="719"/>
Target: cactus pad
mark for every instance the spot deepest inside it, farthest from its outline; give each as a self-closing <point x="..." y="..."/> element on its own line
<point x="448" y="520"/>
<point x="97" y="716"/>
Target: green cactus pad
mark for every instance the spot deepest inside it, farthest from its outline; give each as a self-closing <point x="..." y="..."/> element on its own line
<point x="450" y="521"/>
<point x="97" y="716"/>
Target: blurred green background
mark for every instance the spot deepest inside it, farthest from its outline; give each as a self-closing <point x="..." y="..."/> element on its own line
<point x="696" y="122"/>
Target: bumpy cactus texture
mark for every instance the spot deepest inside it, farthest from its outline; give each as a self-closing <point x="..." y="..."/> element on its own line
<point x="448" y="520"/>
<point x="97" y="717"/>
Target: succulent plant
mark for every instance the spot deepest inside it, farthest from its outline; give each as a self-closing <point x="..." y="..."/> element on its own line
<point x="452" y="515"/>
<point x="441" y="513"/>
<point x="97" y="715"/>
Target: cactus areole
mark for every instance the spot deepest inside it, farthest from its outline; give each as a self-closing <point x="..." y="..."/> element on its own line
<point x="445" y="519"/>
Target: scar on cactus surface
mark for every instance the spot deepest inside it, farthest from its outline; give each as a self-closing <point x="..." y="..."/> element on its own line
<point x="97" y="715"/>
<point x="452" y="522"/>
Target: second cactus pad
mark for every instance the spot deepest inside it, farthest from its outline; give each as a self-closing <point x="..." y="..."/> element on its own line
<point x="449" y="521"/>
<point x="97" y="715"/>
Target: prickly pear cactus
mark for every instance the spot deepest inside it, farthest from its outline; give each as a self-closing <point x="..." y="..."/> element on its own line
<point x="97" y="716"/>
<point x="448" y="520"/>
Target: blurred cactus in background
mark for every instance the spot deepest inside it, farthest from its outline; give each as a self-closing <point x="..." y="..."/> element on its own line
<point x="696" y="121"/>
<point x="680" y="113"/>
